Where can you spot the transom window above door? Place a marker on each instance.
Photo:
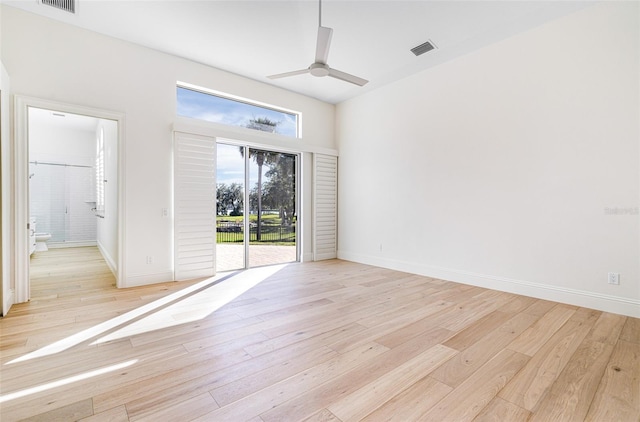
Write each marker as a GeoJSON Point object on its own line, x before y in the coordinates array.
{"type": "Point", "coordinates": [203, 104]}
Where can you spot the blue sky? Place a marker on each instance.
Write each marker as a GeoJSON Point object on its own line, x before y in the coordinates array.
{"type": "Point", "coordinates": [230, 166]}
{"type": "Point", "coordinates": [208, 107]}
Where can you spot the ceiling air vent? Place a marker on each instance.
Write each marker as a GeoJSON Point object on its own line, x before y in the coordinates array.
{"type": "Point", "coordinates": [66, 5]}
{"type": "Point", "coordinates": [423, 48]}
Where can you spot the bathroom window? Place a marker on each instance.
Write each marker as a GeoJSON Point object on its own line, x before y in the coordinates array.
{"type": "Point", "coordinates": [199, 103]}
{"type": "Point", "coordinates": [100, 174]}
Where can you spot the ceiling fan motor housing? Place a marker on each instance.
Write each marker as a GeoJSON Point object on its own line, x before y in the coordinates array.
{"type": "Point", "coordinates": [319, 69]}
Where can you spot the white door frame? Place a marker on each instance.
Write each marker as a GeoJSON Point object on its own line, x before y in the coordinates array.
{"type": "Point", "coordinates": [21, 206]}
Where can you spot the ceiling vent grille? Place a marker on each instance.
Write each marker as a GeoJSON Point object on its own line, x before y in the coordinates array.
{"type": "Point", "coordinates": [66, 5]}
{"type": "Point", "coordinates": [423, 48]}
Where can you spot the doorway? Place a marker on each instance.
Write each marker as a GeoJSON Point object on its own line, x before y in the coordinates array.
{"type": "Point", "coordinates": [72, 165]}
{"type": "Point", "coordinates": [256, 207]}
{"type": "Point", "coordinates": [83, 182]}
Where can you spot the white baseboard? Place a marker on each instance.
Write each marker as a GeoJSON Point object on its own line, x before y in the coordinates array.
{"type": "Point", "coordinates": [307, 257]}
{"type": "Point", "coordinates": [583, 298]}
{"type": "Point", "coordinates": [111, 263]}
{"type": "Point", "coordinates": [8, 302]}
{"type": "Point", "coordinates": [320, 257]}
{"type": "Point", "coordinates": [136, 280]}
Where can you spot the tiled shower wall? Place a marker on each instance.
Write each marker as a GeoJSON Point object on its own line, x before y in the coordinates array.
{"type": "Point", "coordinates": [61, 202]}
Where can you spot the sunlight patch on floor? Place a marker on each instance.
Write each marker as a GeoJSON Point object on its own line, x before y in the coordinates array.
{"type": "Point", "coordinates": [65, 381]}
{"type": "Point", "coordinates": [197, 306]}
{"type": "Point", "coordinates": [89, 333]}
{"type": "Point", "coordinates": [192, 303]}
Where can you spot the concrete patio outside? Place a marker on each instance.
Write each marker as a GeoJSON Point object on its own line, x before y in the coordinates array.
{"type": "Point", "coordinates": [230, 256]}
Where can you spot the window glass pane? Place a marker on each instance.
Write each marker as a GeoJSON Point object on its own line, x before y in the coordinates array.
{"type": "Point", "coordinates": [230, 209]}
{"type": "Point", "coordinates": [212, 108]}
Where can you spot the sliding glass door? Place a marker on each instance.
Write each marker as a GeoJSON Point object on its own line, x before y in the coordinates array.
{"type": "Point", "coordinates": [255, 226]}
{"type": "Point", "coordinates": [272, 208]}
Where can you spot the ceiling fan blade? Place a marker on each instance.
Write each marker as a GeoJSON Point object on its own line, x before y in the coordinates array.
{"type": "Point", "coordinates": [287, 74]}
{"type": "Point", "coordinates": [347, 77]}
{"type": "Point", "coordinates": [323, 44]}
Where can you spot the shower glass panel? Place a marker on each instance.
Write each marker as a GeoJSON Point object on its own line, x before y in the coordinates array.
{"type": "Point", "coordinates": [48, 200]}
{"type": "Point", "coordinates": [81, 222]}
{"type": "Point", "coordinates": [61, 200]}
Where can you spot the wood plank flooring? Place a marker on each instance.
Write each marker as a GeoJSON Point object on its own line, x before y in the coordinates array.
{"type": "Point", "coordinates": [326, 341]}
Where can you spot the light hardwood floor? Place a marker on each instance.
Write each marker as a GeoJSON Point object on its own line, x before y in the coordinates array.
{"type": "Point", "coordinates": [326, 341]}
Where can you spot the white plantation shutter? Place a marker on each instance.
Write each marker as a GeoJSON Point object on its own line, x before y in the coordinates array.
{"type": "Point", "coordinates": [194, 206]}
{"type": "Point", "coordinates": [325, 206]}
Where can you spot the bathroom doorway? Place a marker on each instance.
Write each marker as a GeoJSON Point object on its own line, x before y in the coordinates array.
{"type": "Point", "coordinates": [68, 184]}
{"type": "Point", "coordinates": [72, 184]}
{"type": "Point", "coordinates": [62, 177]}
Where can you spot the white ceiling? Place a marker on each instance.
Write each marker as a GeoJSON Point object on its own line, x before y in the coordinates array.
{"type": "Point", "coordinates": [371, 39]}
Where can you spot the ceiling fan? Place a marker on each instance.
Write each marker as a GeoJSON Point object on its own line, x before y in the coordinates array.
{"type": "Point", "coordinates": [320, 67]}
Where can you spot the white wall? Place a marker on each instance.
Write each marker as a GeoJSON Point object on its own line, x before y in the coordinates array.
{"type": "Point", "coordinates": [505, 168]}
{"type": "Point", "coordinates": [57, 144]}
{"type": "Point", "coordinates": [7, 283]}
{"type": "Point", "coordinates": [107, 227]}
{"type": "Point", "coordinates": [89, 69]}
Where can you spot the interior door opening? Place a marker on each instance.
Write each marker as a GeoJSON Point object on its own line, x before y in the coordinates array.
{"type": "Point", "coordinates": [256, 207]}
{"type": "Point", "coordinates": [72, 190]}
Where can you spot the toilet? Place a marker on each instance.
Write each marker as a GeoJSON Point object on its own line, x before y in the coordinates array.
{"type": "Point", "coordinates": [41, 241]}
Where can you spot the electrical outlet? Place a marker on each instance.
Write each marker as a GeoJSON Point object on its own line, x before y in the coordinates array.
{"type": "Point", "coordinates": [149, 260]}
{"type": "Point", "coordinates": [381, 247]}
{"type": "Point", "coordinates": [613, 278]}
{"type": "Point", "coordinates": [165, 212]}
